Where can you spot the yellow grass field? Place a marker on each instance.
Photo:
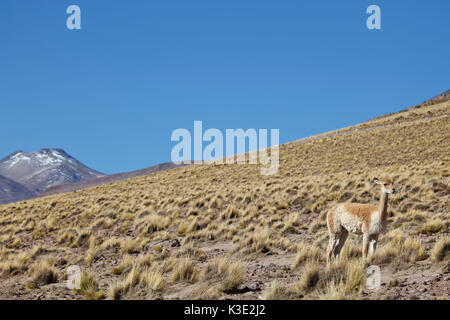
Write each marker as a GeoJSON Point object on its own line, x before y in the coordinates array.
{"type": "Point", "coordinates": [226, 231]}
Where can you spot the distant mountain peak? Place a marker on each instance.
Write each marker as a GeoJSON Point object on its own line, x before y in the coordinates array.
{"type": "Point", "coordinates": [24, 175]}
{"type": "Point", "coordinates": [42, 158]}
{"type": "Point", "coordinates": [48, 167]}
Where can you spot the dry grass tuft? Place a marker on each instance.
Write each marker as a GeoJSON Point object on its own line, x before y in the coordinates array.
{"type": "Point", "coordinates": [441, 249]}
{"type": "Point", "coordinates": [234, 277]}
{"type": "Point", "coordinates": [432, 227]}
{"type": "Point", "coordinates": [225, 274]}
{"type": "Point", "coordinates": [309, 278]}
{"type": "Point", "coordinates": [306, 253]}
{"type": "Point", "coordinates": [343, 280]}
{"type": "Point", "coordinates": [142, 280]}
{"type": "Point", "coordinates": [400, 249]}
{"type": "Point", "coordinates": [276, 291]}
{"type": "Point", "coordinates": [334, 290]}
{"type": "Point", "coordinates": [44, 273]}
{"type": "Point", "coordinates": [185, 270]}
{"type": "Point", "coordinates": [89, 288]}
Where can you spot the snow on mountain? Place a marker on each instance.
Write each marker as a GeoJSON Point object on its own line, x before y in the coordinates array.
{"type": "Point", "coordinates": [43, 169]}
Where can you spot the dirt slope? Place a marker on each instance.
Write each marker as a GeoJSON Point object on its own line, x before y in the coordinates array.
{"type": "Point", "coordinates": [225, 231]}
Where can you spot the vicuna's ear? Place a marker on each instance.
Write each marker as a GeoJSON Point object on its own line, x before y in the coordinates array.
{"type": "Point", "coordinates": [377, 181]}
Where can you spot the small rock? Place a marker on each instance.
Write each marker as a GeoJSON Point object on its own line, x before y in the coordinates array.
{"type": "Point", "coordinates": [271, 267]}
{"type": "Point", "coordinates": [253, 287]}
{"type": "Point", "coordinates": [175, 243]}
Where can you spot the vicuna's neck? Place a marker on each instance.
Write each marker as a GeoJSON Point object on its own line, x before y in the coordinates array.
{"type": "Point", "coordinates": [383, 206]}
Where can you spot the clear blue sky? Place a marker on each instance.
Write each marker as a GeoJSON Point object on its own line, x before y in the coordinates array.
{"type": "Point", "coordinates": [111, 93]}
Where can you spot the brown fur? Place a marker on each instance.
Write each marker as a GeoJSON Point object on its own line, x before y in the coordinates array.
{"type": "Point", "coordinates": [330, 220]}
{"type": "Point", "coordinates": [362, 211]}
{"type": "Point", "coordinates": [358, 218]}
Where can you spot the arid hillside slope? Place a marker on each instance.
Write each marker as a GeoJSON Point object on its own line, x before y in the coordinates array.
{"type": "Point", "coordinates": [226, 231]}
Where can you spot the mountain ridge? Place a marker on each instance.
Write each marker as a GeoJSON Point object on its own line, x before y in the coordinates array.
{"type": "Point", "coordinates": [40, 170]}
{"type": "Point", "coordinates": [11, 191]}
{"type": "Point", "coordinates": [52, 171]}
{"type": "Point", "coordinates": [109, 179]}
{"type": "Point", "coordinates": [59, 172]}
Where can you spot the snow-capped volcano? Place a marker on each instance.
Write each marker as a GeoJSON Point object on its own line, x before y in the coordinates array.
{"type": "Point", "coordinates": [40, 170]}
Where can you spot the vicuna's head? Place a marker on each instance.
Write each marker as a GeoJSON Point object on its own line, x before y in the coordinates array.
{"type": "Point", "coordinates": [387, 186]}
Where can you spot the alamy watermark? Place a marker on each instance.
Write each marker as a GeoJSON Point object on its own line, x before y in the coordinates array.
{"type": "Point", "coordinates": [74, 20]}
{"type": "Point", "coordinates": [213, 153]}
{"type": "Point", "coordinates": [374, 20]}
{"type": "Point", "coordinates": [73, 277]}
{"type": "Point", "coordinates": [373, 278]}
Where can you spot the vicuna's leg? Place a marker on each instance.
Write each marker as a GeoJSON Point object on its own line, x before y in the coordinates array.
{"type": "Point", "coordinates": [373, 240]}
{"type": "Point", "coordinates": [331, 246]}
{"type": "Point", "coordinates": [333, 231]}
{"type": "Point", "coordinates": [365, 245]}
{"type": "Point", "coordinates": [341, 241]}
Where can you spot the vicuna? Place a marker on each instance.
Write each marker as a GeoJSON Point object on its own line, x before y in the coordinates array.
{"type": "Point", "coordinates": [358, 218]}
